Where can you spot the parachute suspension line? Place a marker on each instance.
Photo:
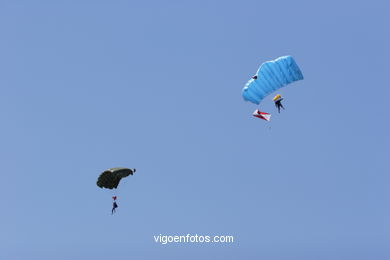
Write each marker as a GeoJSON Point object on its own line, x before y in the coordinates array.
{"type": "Point", "coordinates": [115, 193]}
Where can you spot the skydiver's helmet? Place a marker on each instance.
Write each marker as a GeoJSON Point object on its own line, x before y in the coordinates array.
{"type": "Point", "coordinates": [254, 77]}
{"type": "Point", "coordinates": [114, 198]}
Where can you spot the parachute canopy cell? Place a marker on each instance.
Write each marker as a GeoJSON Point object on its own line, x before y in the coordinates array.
{"type": "Point", "coordinates": [110, 178]}
{"type": "Point", "coordinates": [271, 76]}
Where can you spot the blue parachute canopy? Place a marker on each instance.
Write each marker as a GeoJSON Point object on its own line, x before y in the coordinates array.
{"type": "Point", "coordinates": [271, 76]}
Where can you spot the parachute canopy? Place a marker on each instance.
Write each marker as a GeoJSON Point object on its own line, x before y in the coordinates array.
{"type": "Point", "coordinates": [110, 178]}
{"type": "Point", "coordinates": [271, 76]}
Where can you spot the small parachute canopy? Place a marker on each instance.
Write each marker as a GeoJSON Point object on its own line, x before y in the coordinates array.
{"type": "Point", "coordinates": [271, 76]}
{"type": "Point", "coordinates": [110, 178]}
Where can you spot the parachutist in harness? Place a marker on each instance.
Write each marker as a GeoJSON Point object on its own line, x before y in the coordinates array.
{"type": "Point", "coordinates": [279, 105]}
{"type": "Point", "coordinates": [114, 206]}
{"type": "Point", "coordinates": [271, 76]}
{"type": "Point", "coordinates": [110, 179]}
{"type": "Point", "coordinates": [278, 102]}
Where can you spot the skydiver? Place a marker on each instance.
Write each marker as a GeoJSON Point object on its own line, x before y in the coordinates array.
{"type": "Point", "coordinates": [114, 206]}
{"type": "Point", "coordinates": [278, 104]}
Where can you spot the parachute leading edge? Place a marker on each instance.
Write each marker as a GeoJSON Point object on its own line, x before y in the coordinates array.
{"type": "Point", "coordinates": [271, 76]}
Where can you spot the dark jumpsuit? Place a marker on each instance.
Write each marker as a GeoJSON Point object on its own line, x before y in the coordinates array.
{"type": "Point", "coordinates": [114, 206]}
{"type": "Point", "coordinates": [278, 104]}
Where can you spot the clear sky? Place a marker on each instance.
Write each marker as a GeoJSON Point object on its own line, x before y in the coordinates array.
{"type": "Point", "coordinates": [156, 85]}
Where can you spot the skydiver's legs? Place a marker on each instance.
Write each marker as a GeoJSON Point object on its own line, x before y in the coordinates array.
{"type": "Point", "coordinates": [114, 206]}
{"type": "Point", "coordinates": [279, 105]}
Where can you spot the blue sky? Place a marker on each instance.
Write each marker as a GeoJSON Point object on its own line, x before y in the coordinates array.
{"type": "Point", "coordinates": [156, 85]}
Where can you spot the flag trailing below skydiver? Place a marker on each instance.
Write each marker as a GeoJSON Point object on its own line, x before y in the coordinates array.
{"type": "Point", "coordinates": [271, 76]}
{"type": "Point", "coordinates": [262, 115]}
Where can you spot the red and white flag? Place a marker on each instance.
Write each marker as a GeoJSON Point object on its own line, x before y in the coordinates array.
{"type": "Point", "coordinates": [262, 115]}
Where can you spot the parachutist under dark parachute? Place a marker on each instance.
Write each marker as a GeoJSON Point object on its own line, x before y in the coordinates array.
{"type": "Point", "coordinates": [110, 179]}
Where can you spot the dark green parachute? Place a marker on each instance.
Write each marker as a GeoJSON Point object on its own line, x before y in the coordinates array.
{"type": "Point", "coordinates": [110, 178]}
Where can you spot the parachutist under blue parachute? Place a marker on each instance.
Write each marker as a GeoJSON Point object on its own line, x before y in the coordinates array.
{"type": "Point", "coordinates": [271, 76]}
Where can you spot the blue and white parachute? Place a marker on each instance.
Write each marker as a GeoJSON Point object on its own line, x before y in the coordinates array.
{"type": "Point", "coordinates": [271, 76]}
